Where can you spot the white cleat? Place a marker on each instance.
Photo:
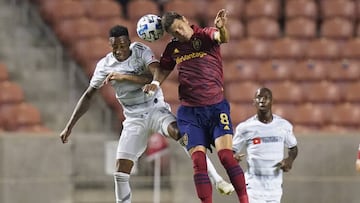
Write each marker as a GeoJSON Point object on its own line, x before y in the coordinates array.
{"type": "Point", "coordinates": [224, 187]}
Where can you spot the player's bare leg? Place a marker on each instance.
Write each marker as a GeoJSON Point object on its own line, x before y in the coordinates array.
{"type": "Point", "coordinates": [121, 178]}
{"type": "Point", "coordinates": [221, 185]}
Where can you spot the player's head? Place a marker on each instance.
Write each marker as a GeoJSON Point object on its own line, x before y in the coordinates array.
{"type": "Point", "coordinates": [263, 99]}
{"type": "Point", "coordinates": [120, 42]}
{"type": "Point", "coordinates": [177, 26]}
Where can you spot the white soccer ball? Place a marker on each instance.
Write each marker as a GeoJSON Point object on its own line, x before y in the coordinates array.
{"type": "Point", "coordinates": [149, 28]}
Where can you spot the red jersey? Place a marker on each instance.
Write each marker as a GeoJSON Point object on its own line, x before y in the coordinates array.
{"type": "Point", "coordinates": [199, 64]}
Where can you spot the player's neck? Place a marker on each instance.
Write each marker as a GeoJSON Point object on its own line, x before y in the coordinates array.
{"type": "Point", "coordinates": [265, 117]}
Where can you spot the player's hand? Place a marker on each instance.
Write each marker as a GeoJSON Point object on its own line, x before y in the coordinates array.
{"type": "Point", "coordinates": [239, 157]}
{"type": "Point", "coordinates": [220, 19]}
{"type": "Point", "coordinates": [64, 135]}
{"type": "Point", "coordinates": [285, 165]}
{"type": "Point", "coordinates": [114, 76]}
{"type": "Point", "coordinates": [150, 89]}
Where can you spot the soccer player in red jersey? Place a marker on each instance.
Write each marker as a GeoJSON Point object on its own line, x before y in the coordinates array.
{"type": "Point", "coordinates": [204, 115]}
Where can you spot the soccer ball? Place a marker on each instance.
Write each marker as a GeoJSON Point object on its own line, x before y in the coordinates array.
{"type": "Point", "coordinates": [149, 28]}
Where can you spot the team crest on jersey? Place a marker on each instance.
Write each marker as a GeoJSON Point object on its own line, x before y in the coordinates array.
{"type": "Point", "coordinates": [256, 140]}
{"type": "Point", "coordinates": [184, 140]}
{"type": "Point", "coordinates": [196, 43]}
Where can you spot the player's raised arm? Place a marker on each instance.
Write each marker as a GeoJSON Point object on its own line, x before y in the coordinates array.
{"type": "Point", "coordinates": [220, 22]}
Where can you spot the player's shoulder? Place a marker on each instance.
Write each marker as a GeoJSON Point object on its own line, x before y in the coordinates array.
{"type": "Point", "coordinates": [245, 128]}
{"type": "Point", "coordinates": [248, 122]}
{"type": "Point", "coordinates": [140, 50]}
{"type": "Point", "coordinates": [282, 121]}
{"type": "Point", "coordinates": [139, 46]}
{"type": "Point", "coordinates": [172, 46]}
{"type": "Point", "coordinates": [198, 29]}
{"type": "Point", "coordinates": [205, 32]}
{"type": "Point", "coordinates": [172, 42]}
{"type": "Point", "coordinates": [210, 29]}
{"type": "Point", "coordinates": [173, 39]}
{"type": "Point", "coordinates": [106, 60]}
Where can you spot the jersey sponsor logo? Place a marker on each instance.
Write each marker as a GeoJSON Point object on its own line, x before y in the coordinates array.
{"type": "Point", "coordinates": [190, 56]}
{"type": "Point", "coordinates": [256, 140]}
{"type": "Point", "coordinates": [270, 139]}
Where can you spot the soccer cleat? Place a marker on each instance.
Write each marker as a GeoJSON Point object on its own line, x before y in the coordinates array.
{"type": "Point", "coordinates": [224, 187]}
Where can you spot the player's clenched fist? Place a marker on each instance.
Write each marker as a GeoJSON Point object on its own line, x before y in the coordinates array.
{"type": "Point", "coordinates": [64, 135]}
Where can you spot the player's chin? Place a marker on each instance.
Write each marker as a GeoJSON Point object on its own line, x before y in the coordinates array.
{"type": "Point", "coordinates": [263, 108]}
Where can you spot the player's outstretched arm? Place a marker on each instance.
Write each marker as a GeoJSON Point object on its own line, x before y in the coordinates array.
{"type": "Point", "coordinates": [81, 108]}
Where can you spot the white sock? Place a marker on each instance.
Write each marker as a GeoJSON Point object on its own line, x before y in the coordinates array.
{"type": "Point", "coordinates": [122, 187]}
{"type": "Point", "coordinates": [213, 174]}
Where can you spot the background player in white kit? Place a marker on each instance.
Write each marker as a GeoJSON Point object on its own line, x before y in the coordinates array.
{"type": "Point", "coordinates": [128, 68]}
{"type": "Point", "coordinates": [264, 136]}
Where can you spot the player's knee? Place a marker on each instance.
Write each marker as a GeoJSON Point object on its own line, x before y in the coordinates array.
{"type": "Point", "coordinates": [199, 162]}
{"type": "Point", "coordinates": [174, 131]}
{"type": "Point", "coordinates": [227, 158]}
{"type": "Point", "coordinates": [124, 165]}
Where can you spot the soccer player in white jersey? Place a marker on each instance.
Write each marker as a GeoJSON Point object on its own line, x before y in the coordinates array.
{"type": "Point", "coordinates": [264, 137]}
{"type": "Point", "coordinates": [128, 68]}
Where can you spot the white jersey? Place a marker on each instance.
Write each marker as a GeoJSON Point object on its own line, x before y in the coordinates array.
{"type": "Point", "coordinates": [130, 95]}
{"type": "Point", "coordinates": [265, 148]}
{"type": "Point", "coordinates": [264, 143]}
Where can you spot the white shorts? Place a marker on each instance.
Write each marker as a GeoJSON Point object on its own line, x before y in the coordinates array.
{"type": "Point", "coordinates": [263, 189]}
{"type": "Point", "coordinates": [137, 129]}
{"type": "Point", "coordinates": [254, 199]}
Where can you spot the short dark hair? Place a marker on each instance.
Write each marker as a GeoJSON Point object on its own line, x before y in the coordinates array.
{"type": "Point", "coordinates": [264, 89]}
{"type": "Point", "coordinates": [118, 30]}
{"type": "Point", "coordinates": [168, 19]}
